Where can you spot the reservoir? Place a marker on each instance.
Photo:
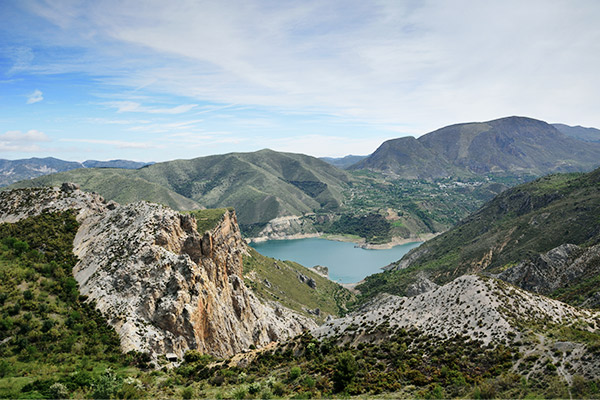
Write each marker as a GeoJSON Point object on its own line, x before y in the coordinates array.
{"type": "Point", "coordinates": [346, 263]}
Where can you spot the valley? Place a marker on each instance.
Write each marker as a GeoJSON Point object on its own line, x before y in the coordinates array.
{"type": "Point", "coordinates": [152, 291]}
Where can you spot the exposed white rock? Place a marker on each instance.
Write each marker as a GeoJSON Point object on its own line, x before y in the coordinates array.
{"type": "Point", "coordinates": [481, 308]}
{"type": "Point", "coordinates": [163, 286]}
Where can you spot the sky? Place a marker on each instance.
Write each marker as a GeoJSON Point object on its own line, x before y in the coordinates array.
{"type": "Point", "coordinates": [157, 80]}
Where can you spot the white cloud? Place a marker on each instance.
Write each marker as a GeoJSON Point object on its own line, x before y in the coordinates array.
{"type": "Point", "coordinates": [35, 97]}
{"type": "Point", "coordinates": [21, 57]}
{"type": "Point", "coordinates": [424, 64]}
{"type": "Point", "coordinates": [19, 136]}
{"type": "Point", "coordinates": [132, 106]}
{"type": "Point", "coordinates": [18, 141]}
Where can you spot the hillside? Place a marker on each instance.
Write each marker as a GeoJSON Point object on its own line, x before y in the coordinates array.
{"type": "Point", "coordinates": [120, 185]}
{"type": "Point", "coordinates": [506, 146]}
{"type": "Point", "coordinates": [83, 278]}
{"type": "Point", "coordinates": [579, 132]}
{"type": "Point", "coordinates": [516, 226]}
{"type": "Point", "coordinates": [475, 337]}
{"type": "Point", "coordinates": [261, 186]}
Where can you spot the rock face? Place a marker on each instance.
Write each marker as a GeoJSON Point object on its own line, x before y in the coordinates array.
{"type": "Point", "coordinates": [421, 285]}
{"type": "Point", "coordinates": [287, 227]}
{"type": "Point", "coordinates": [561, 267]}
{"type": "Point", "coordinates": [164, 287]}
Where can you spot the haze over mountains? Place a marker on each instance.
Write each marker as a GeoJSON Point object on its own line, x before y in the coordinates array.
{"type": "Point", "coordinates": [15, 170]}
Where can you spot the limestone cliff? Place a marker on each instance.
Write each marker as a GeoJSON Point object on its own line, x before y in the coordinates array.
{"type": "Point", "coordinates": [164, 286]}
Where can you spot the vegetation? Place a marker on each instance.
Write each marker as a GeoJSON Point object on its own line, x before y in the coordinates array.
{"type": "Point", "coordinates": [53, 343]}
{"type": "Point", "coordinates": [121, 185]}
{"type": "Point", "coordinates": [409, 364]}
{"type": "Point", "coordinates": [518, 224]}
{"type": "Point", "coordinates": [208, 219]}
{"type": "Point", "coordinates": [287, 282]}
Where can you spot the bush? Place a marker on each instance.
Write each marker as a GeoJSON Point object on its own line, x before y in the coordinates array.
{"type": "Point", "coordinates": [345, 370]}
{"type": "Point", "coordinates": [58, 391]}
{"type": "Point", "coordinates": [254, 388]}
{"type": "Point", "coordinates": [106, 385]}
{"type": "Point", "coordinates": [279, 389]}
{"type": "Point", "coordinates": [187, 392]}
{"type": "Point", "coordinates": [240, 393]}
{"type": "Point", "coordinates": [294, 373]}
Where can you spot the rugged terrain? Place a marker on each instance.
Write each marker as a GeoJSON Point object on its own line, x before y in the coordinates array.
{"type": "Point", "coordinates": [261, 186]}
{"type": "Point", "coordinates": [410, 187]}
{"type": "Point", "coordinates": [506, 146]}
{"type": "Point", "coordinates": [164, 286]}
{"type": "Point", "coordinates": [486, 310]}
{"type": "Point", "coordinates": [516, 234]}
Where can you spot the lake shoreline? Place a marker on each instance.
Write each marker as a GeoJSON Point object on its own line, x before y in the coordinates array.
{"type": "Point", "coordinates": [360, 242]}
{"type": "Point", "coordinates": [346, 262]}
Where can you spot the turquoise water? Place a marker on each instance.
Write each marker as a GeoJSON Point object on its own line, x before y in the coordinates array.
{"type": "Point", "coordinates": [346, 263]}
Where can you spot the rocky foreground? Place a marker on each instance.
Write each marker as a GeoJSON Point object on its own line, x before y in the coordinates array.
{"type": "Point", "coordinates": [164, 286]}
{"type": "Point", "coordinates": [486, 310]}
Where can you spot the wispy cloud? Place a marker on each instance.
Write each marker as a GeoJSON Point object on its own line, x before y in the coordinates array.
{"type": "Point", "coordinates": [35, 97]}
{"type": "Point", "coordinates": [29, 136]}
{"type": "Point", "coordinates": [279, 69]}
{"type": "Point", "coordinates": [426, 62]}
{"type": "Point", "coordinates": [120, 144]}
{"type": "Point", "coordinates": [166, 126]}
{"type": "Point", "coordinates": [18, 141]}
{"type": "Point", "coordinates": [132, 106]}
{"type": "Point", "coordinates": [21, 57]}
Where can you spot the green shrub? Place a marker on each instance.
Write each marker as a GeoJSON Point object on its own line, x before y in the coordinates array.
{"type": "Point", "coordinates": [240, 393]}
{"type": "Point", "coordinates": [345, 370]}
{"type": "Point", "coordinates": [187, 393]}
{"type": "Point", "coordinates": [294, 373]}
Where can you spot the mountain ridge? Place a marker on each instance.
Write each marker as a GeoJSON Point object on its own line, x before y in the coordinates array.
{"type": "Point", "coordinates": [15, 170]}
{"type": "Point", "coordinates": [510, 145]}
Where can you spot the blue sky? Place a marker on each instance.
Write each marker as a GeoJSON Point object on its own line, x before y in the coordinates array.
{"type": "Point", "coordinates": [158, 80]}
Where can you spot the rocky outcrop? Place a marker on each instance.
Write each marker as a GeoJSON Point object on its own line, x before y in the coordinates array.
{"type": "Point", "coordinates": [562, 267]}
{"type": "Point", "coordinates": [421, 285]}
{"type": "Point", "coordinates": [287, 227]}
{"type": "Point", "coordinates": [482, 309]}
{"type": "Point", "coordinates": [162, 285]}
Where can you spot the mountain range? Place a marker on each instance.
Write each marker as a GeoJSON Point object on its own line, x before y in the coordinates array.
{"type": "Point", "coordinates": [261, 186]}
{"type": "Point", "coordinates": [16, 170]}
{"type": "Point", "coordinates": [343, 162]}
{"type": "Point", "coordinates": [506, 146]}
{"type": "Point", "coordinates": [579, 132]}
{"type": "Point", "coordinates": [282, 194]}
